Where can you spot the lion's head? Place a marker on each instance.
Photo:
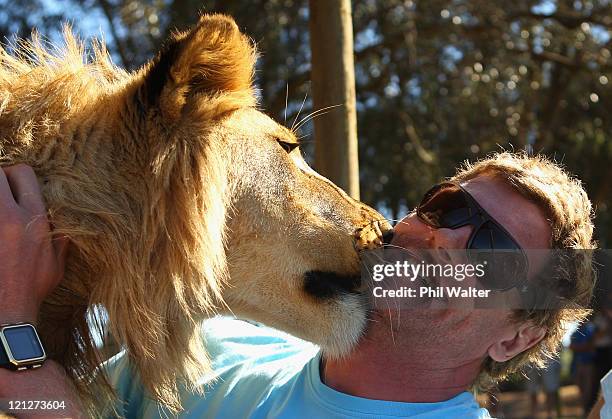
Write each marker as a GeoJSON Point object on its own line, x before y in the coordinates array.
{"type": "Point", "coordinates": [181, 200]}
{"type": "Point", "coordinates": [290, 248]}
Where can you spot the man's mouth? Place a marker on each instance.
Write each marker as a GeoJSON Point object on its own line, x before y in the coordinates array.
{"type": "Point", "coordinates": [325, 285]}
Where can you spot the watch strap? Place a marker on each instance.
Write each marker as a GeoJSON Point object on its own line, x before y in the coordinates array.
{"type": "Point", "coordinates": [4, 361]}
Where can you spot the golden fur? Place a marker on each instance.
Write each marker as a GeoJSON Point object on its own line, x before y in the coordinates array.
{"type": "Point", "coordinates": [180, 202]}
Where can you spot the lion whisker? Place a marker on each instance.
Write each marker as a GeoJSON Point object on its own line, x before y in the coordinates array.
{"type": "Point", "coordinates": [310, 119]}
{"type": "Point", "coordinates": [286, 102]}
{"type": "Point", "coordinates": [314, 114]}
{"type": "Point", "coordinates": [306, 120]}
{"type": "Point", "coordinates": [299, 110]}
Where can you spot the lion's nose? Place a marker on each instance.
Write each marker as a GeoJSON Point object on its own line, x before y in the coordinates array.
{"type": "Point", "coordinates": [387, 236]}
{"type": "Point", "coordinates": [371, 235]}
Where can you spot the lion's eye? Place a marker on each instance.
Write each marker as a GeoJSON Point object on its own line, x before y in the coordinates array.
{"type": "Point", "coordinates": [287, 146]}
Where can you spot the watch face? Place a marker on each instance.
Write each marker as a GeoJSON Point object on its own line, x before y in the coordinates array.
{"type": "Point", "coordinates": [23, 343]}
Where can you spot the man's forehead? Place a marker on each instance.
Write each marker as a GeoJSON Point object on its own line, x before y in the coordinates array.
{"type": "Point", "coordinates": [523, 219]}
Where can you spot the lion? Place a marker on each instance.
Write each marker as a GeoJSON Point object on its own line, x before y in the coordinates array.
{"type": "Point", "coordinates": [181, 200]}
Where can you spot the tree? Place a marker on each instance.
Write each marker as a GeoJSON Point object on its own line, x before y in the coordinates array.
{"type": "Point", "coordinates": [333, 86]}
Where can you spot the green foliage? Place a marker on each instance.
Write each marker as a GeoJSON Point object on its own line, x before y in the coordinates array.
{"type": "Point", "coordinates": [438, 81]}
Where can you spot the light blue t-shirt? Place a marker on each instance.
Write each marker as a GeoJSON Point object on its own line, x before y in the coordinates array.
{"type": "Point", "coordinates": [263, 373]}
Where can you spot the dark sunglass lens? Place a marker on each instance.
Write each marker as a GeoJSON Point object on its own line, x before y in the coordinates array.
{"type": "Point", "coordinates": [508, 270]}
{"type": "Point", "coordinates": [505, 261]}
{"type": "Point", "coordinates": [489, 236]}
{"type": "Point", "coordinates": [482, 239]}
{"type": "Point", "coordinates": [455, 217]}
{"type": "Point", "coordinates": [444, 207]}
{"type": "Point", "coordinates": [501, 240]}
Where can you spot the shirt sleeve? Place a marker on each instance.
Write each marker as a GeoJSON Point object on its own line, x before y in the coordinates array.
{"type": "Point", "coordinates": [606, 390]}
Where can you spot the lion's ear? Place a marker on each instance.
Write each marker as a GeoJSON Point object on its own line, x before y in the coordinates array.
{"type": "Point", "coordinates": [213, 58]}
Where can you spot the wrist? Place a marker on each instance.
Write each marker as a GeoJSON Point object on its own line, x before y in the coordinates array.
{"type": "Point", "coordinates": [8, 316]}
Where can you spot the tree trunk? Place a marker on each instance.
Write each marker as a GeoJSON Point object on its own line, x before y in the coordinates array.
{"type": "Point", "coordinates": [333, 83]}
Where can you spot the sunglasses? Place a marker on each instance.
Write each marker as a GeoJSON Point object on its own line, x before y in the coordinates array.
{"type": "Point", "coordinates": [449, 205]}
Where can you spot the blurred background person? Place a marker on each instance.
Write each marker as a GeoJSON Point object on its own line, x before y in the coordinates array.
{"type": "Point", "coordinates": [602, 319]}
{"type": "Point", "coordinates": [583, 363]}
{"type": "Point", "coordinates": [547, 380]}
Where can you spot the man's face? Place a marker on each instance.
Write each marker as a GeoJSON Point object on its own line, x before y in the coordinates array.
{"type": "Point", "coordinates": [458, 333]}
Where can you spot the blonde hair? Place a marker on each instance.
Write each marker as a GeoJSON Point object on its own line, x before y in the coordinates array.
{"type": "Point", "coordinates": [568, 210]}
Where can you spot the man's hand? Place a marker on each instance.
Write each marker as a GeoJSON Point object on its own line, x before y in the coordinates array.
{"type": "Point", "coordinates": [31, 266]}
{"type": "Point", "coordinates": [31, 262]}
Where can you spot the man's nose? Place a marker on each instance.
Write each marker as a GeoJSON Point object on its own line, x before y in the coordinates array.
{"type": "Point", "coordinates": [413, 232]}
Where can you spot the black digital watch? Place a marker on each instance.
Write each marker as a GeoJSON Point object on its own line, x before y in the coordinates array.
{"type": "Point", "coordinates": [20, 347]}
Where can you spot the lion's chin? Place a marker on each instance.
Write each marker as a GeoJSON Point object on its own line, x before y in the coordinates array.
{"type": "Point", "coordinates": [348, 316]}
{"type": "Point", "coordinates": [345, 306]}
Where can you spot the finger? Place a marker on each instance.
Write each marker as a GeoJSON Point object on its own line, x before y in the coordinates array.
{"type": "Point", "coordinates": [7, 199]}
{"type": "Point", "coordinates": [26, 190]}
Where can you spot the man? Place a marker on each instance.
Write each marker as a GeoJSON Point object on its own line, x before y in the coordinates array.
{"type": "Point", "coordinates": [548, 380]}
{"type": "Point", "coordinates": [417, 363]}
{"type": "Point", "coordinates": [583, 351]}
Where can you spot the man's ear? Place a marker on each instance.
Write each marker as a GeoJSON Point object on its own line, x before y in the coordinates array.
{"type": "Point", "coordinates": [210, 59]}
{"type": "Point", "coordinates": [511, 345]}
